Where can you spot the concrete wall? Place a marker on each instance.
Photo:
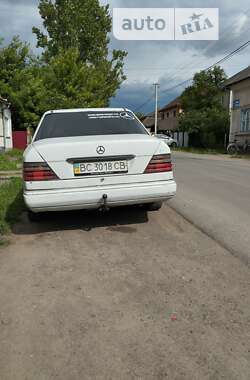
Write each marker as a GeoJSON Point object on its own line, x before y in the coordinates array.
{"type": "Point", "coordinates": [8, 129]}
{"type": "Point", "coordinates": [1, 129]}
{"type": "Point", "coordinates": [240, 93]}
{"type": "Point", "coordinates": [5, 128]}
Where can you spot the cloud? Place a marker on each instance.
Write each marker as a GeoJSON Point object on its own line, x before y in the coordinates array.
{"type": "Point", "coordinates": [17, 18]}
{"type": "Point", "coordinates": [169, 62]}
{"type": "Point", "coordinates": [133, 95]}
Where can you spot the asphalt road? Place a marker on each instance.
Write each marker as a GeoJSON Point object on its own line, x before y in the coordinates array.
{"type": "Point", "coordinates": [214, 194]}
{"type": "Point", "coordinates": [124, 295]}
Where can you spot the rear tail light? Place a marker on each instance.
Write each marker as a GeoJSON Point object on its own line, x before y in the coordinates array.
{"type": "Point", "coordinates": [159, 163]}
{"type": "Point", "coordinates": [38, 171]}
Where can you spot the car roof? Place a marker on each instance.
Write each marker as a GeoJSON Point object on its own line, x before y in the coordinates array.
{"type": "Point", "coordinates": [88, 110]}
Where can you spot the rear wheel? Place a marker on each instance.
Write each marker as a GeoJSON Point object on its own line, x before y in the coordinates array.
{"type": "Point", "coordinates": [232, 149]}
{"type": "Point", "coordinates": [155, 206]}
{"type": "Point", "coordinates": [34, 217]}
{"type": "Point", "coordinates": [174, 145]}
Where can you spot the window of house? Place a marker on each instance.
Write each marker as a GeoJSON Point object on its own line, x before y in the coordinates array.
{"type": "Point", "coordinates": [167, 114]}
{"type": "Point", "coordinates": [245, 120]}
{"type": "Point", "coordinates": [174, 113]}
{"type": "Point", "coordinates": [162, 116]}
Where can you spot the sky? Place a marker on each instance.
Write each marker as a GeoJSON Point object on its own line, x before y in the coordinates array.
{"type": "Point", "coordinates": [166, 62]}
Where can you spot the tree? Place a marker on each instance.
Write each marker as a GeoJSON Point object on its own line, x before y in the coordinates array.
{"type": "Point", "coordinates": [21, 83]}
{"type": "Point", "coordinates": [75, 70]}
{"type": "Point", "coordinates": [81, 24]}
{"type": "Point", "coordinates": [14, 57]}
{"type": "Point", "coordinates": [71, 83]}
{"type": "Point", "coordinates": [80, 71]}
{"type": "Point", "coordinates": [204, 115]}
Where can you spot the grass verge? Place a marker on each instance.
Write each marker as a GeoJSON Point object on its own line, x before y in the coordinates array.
{"type": "Point", "coordinates": [211, 151]}
{"type": "Point", "coordinates": [245, 156]}
{"type": "Point", "coordinates": [11, 205]}
{"type": "Point", "coordinates": [11, 159]}
{"type": "Point", "coordinates": [201, 150]}
{"type": "Point", "coordinates": [3, 242]}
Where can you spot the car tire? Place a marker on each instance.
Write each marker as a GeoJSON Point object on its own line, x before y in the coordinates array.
{"type": "Point", "coordinates": [174, 145]}
{"type": "Point", "coordinates": [155, 206]}
{"type": "Point", "coordinates": [33, 216]}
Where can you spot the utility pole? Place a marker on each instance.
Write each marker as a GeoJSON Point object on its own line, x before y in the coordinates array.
{"type": "Point", "coordinates": [156, 106]}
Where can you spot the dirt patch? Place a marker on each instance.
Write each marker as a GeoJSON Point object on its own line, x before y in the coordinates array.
{"type": "Point", "coordinates": [161, 302]}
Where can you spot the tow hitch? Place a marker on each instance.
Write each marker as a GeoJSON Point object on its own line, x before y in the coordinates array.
{"type": "Point", "coordinates": [104, 207]}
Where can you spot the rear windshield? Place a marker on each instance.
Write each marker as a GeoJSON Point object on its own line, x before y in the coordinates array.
{"type": "Point", "coordinates": [69, 124]}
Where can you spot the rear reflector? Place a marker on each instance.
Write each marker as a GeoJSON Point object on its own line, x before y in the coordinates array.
{"type": "Point", "coordinates": [38, 171]}
{"type": "Point", "coordinates": [159, 163]}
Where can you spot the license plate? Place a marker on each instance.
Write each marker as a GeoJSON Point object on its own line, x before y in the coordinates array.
{"type": "Point", "coordinates": [101, 167]}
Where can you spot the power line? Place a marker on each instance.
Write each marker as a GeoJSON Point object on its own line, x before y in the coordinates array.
{"type": "Point", "coordinates": [230, 55]}
{"type": "Point", "coordinates": [144, 104]}
{"type": "Point", "coordinates": [206, 50]}
{"type": "Point", "coordinates": [224, 59]}
{"type": "Point", "coordinates": [183, 67]}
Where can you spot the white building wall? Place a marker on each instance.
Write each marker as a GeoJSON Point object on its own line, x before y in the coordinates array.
{"type": "Point", "coordinates": [8, 129]}
{"type": "Point", "coordinates": [240, 92]}
{"type": "Point", "coordinates": [1, 130]}
{"type": "Point", "coordinates": [6, 140]}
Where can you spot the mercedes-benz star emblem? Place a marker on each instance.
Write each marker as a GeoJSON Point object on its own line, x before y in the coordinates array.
{"type": "Point", "coordinates": [100, 149]}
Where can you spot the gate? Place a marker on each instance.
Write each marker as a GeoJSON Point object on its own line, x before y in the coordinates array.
{"type": "Point", "coordinates": [19, 139]}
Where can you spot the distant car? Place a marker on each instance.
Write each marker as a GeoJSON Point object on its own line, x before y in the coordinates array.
{"type": "Point", "coordinates": [95, 158]}
{"type": "Point", "coordinates": [168, 140]}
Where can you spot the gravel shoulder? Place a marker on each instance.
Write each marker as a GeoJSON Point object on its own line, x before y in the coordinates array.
{"type": "Point", "coordinates": [123, 295]}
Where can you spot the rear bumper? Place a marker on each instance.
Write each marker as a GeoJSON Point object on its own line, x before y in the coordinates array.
{"type": "Point", "coordinates": [91, 198]}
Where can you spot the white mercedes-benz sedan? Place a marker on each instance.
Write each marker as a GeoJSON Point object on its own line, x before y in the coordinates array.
{"type": "Point", "coordinates": [95, 158]}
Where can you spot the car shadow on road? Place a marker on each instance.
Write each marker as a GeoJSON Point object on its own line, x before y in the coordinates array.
{"type": "Point", "coordinates": [117, 219]}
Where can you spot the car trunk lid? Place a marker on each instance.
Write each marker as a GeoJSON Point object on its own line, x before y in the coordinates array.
{"type": "Point", "coordinates": [62, 153]}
